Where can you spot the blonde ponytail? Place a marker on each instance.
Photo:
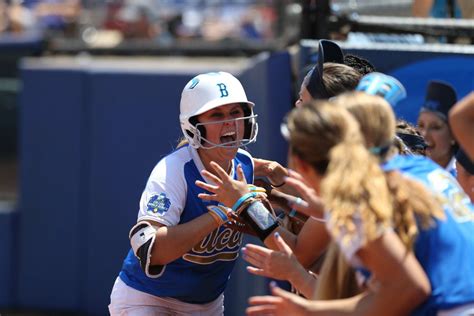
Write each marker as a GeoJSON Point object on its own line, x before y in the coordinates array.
{"type": "Point", "coordinates": [354, 185]}
{"type": "Point", "coordinates": [337, 278]}
{"type": "Point", "coordinates": [411, 201]}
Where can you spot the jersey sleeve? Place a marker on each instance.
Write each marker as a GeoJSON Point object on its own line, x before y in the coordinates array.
{"type": "Point", "coordinates": [351, 242]}
{"type": "Point", "coordinates": [164, 196]}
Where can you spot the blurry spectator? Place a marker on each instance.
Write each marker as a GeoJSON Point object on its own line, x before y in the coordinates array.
{"type": "Point", "coordinates": [47, 15]}
{"type": "Point", "coordinates": [467, 8]}
{"type": "Point", "coordinates": [217, 21]}
{"type": "Point", "coordinates": [3, 16]}
{"type": "Point", "coordinates": [131, 21]}
{"type": "Point", "coordinates": [19, 18]}
{"type": "Point", "coordinates": [436, 8]}
{"type": "Point", "coordinates": [59, 15]}
{"type": "Point", "coordinates": [248, 28]}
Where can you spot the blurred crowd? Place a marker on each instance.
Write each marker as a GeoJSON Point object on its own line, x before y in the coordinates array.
{"type": "Point", "coordinates": [146, 19]}
{"type": "Point", "coordinates": [111, 21]}
{"type": "Point", "coordinates": [19, 16]}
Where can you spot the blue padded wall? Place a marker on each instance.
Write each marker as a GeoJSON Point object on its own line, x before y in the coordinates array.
{"type": "Point", "coordinates": [133, 124]}
{"type": "Point", "coordinates": [51, 231]}
{"type": "Point", "coordinates": [268, 83]}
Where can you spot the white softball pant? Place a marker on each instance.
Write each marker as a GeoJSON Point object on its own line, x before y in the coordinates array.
{"type": "Point", "coordinates": [126, 301]}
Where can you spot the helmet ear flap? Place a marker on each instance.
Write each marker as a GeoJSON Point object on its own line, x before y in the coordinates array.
{"type": "Point", "coordinates": [202, 130]}
{"type": "Point", "coordinates": [248, 123]}
{"type": "Point", "coordinates": [190, 132]}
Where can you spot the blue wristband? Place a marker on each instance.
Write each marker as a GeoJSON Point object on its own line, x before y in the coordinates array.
{"type": "Point", "coordinates": [219, 212]}
{"type": "Point", "coordinates": [242, 199]}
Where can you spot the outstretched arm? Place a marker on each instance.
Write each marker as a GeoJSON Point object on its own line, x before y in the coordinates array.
{"type": "Point", "coordinates": [461, 120]}
{"type": "Point", "coordinates": [174, 241]}
{"type": "Point", "coordinates": [279, 264]}
{"type": "Point", "coordinates": [402, 285]}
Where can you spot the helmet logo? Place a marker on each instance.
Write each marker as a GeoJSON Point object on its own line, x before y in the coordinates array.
{"type": "Point", "coordinates": [194, 83]}
{"type": "Point", "coordinates": [223, 90]}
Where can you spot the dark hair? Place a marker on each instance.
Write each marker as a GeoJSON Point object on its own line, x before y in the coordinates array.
{"type": "Point", "coordinates": [339, 78]}
{"type": "Point", "coordinates": [363, 66]}
{"type": "Point", "coordinates": [410, 137]}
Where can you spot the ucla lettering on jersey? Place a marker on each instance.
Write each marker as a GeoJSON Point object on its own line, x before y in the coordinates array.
{"type": "Point", "coordinates": [201, 274]}
{"type": "Point", "coordinates": [451, 194]}
{"type": "Point", "coordinates": [211, 248]}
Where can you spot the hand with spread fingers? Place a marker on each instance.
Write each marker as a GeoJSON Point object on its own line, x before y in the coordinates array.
{"type": "Point", "coordinates": [225, 189]}
{"type": "Point", "coordinates": [280, 264]}
{"type": "Point", "coordinates": [282, 303]}
{"type": "Point", "coordinates": [309, 203]}
{"type": "Point", "coordinates": [270, 263]}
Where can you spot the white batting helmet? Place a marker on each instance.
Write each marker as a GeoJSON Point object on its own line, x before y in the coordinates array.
{"type": "Point", "coordinates": [208, 91]}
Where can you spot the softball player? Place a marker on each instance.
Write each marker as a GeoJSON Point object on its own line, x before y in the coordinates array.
{"type": "Point", "coordinates": [181, 255]}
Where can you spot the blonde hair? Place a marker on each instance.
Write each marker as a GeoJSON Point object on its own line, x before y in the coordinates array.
{"type": "Point", "coordinates": [329, 139]}
{"type": "Point", "coordinates": [182, 142]}
{"type": "Point", "coordinates": [337, 278]}
{"type": "Point", "coordinates": [378, 125]}
{"type": "Point", "coordinates": [374, 114]}
{"type": "Point", "coordinates": [328, 136]}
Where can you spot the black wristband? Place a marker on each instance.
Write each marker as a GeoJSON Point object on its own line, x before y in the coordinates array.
{"type": "Point", "coordinates": [260, 219]}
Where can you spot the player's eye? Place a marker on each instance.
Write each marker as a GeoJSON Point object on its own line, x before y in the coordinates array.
{"type": "Point", "coordinates": [236, 113]}
{"type": "Point", "coordinates": [217, 115]}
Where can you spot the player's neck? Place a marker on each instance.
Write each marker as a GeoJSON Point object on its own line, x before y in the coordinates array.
{"type": "Point", "coordinates": [207, 157]}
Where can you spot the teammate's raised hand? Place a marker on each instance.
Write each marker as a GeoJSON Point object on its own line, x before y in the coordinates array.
{"type": "Point", "coordinates": [225, 189]}
{"type": "Point", "coordinates": [278, 265]}
{"type": "Point", "coordinates": [274, 172]}
{"type": "Point", "coordinates": [309, 203]}
{"type": "Point", "coordinates": [281, 303]}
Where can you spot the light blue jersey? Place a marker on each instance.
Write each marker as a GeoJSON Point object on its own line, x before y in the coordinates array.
{"type": "Point", "coordinates": [170, 198]}
{"type": "Point", "coordinates": [446, 250]}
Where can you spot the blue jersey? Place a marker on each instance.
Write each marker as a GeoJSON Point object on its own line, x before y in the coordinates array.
{"type": "Point", "coordinates": [170, 198]}
{"type": "Point", "coordinates": [446, 250]}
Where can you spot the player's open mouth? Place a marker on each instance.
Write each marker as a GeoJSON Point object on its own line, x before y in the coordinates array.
{"type": "Point", "coordinates": [228, 137]}
{"type": "Point", "coordinates": [429, 147]}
